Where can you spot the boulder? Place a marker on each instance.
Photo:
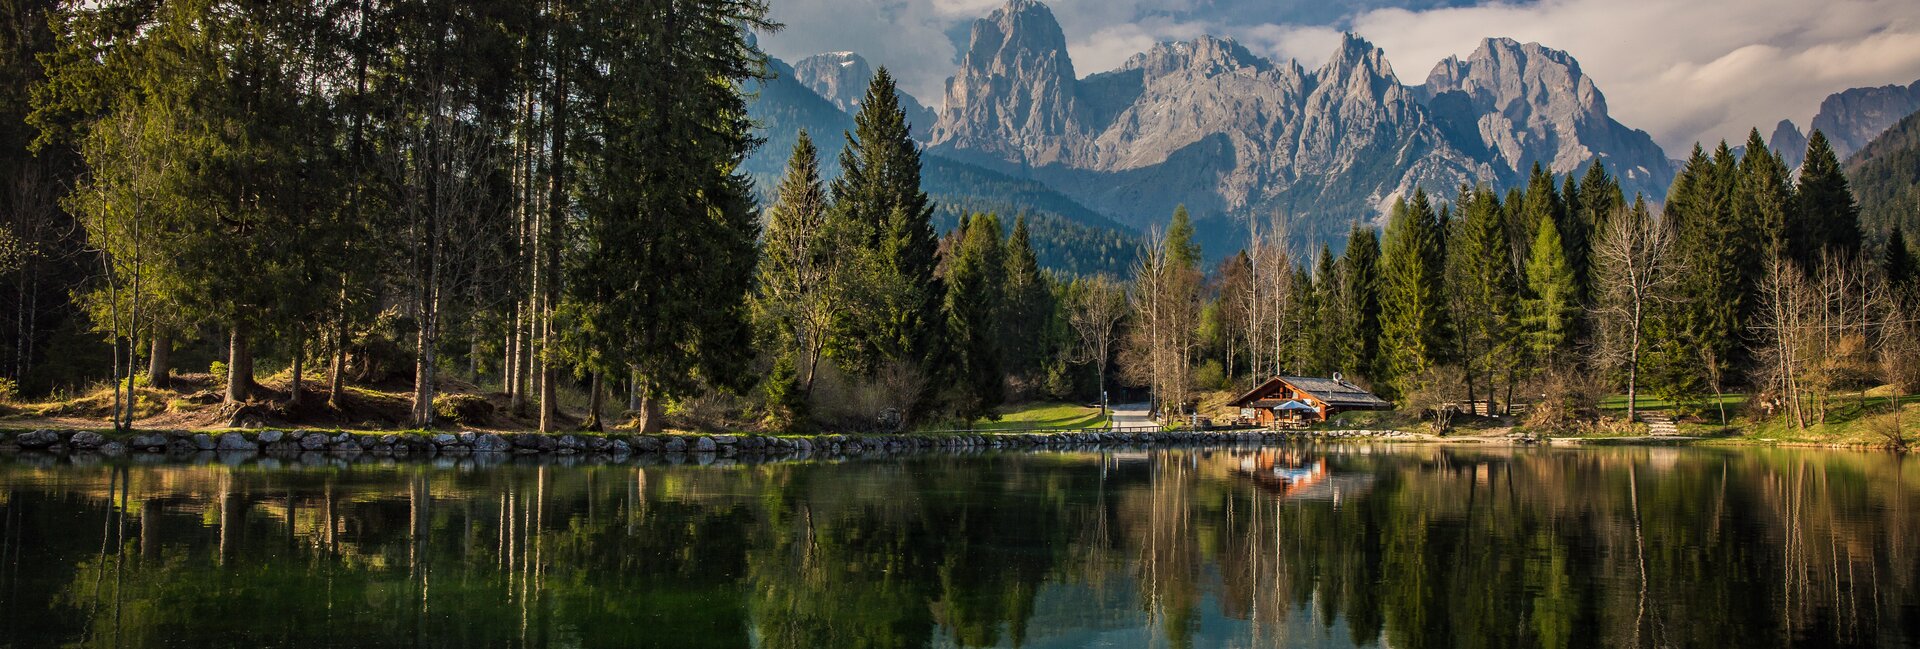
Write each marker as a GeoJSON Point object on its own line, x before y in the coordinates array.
{"type": "Point", "coordinates": [235, 442]}
{"type": "Point", "coordinates": [444, 440]}
{"type": "Point", "coordinates": [37, 439]}
{"type": "Point", "coordinates": [704, 444]}
{"type": "Point", "coordinates": [675, 444]}
{"type": "Point", "coordinates": [490, 443]}
{"type": "Point", "coordinates": [203, 441]}
{"type": "Point", "coordinates": [314, 442]}
{"type": "Point", "coordinates": [271, 436]}
{"type": "Point", "coordinates": [148, 441]}
{"type": "Point", "coordinates": [86, 440]}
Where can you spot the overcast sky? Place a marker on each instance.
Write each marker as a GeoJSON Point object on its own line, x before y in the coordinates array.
{"type": "Point", "coordinates": [1683, 70]}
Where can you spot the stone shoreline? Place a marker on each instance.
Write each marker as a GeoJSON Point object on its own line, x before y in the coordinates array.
{"type": "Point", "coordinates": [241, 445]}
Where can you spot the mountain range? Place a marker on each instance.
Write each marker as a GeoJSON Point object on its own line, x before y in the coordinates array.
{"type": "Point", "coordinates": [1234, 136]}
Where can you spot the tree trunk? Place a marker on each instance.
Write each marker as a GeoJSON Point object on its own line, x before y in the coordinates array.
{"type": "Point", "coordinates": [239, 366]}
{"type": "Point", "coordinates": [160, 362]}
{"type": "Point", "coordinates": [334, 378]}
{"type": "Point", "coordinates": [633, 389]}
{"type": "Point", "coordinates": [594, 404]}
{"type": "Point", "coordinates": [298, 384]}
{"type": "Point", "coordinates": [650, 415]}
{"type": "Point", "coordinates": [551, 243]}
{"type": "Point", "coordinates": [423, 373]}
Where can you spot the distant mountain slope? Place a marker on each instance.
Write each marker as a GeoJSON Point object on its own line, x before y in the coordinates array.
{"type": "Point", "coordinates": [1886, 179]}
{"type": "Point", "coordinates": [1067, 236]}
{"type": "Point", "coordinates": [842, 78]}
{"type": "Point", "coordinates": [1850, 119]}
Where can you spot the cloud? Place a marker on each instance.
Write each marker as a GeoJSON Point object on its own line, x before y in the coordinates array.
{"type": "Point", "coordinates": [1683, 70]}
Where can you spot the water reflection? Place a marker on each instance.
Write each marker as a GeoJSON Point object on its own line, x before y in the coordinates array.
{"type": "Point", "coordinates": [1309, 547]}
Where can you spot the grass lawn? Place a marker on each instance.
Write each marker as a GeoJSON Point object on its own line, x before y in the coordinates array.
{"type": "Point", "coordinates": [1045, 415]}
{"type": "Point", "coordinates": [1731, 400]}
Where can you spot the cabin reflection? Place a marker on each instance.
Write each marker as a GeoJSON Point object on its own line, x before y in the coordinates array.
{"type": "Point", "coordinates": [1296, 474]}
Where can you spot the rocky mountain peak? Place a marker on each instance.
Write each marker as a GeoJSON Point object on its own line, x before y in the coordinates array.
{"type": "Point", "coordinates": [840, 77]}
{"type": "Point", "coordinates": [1206, 56]}
{"type": "Point", "coordinates": [1525, 103]}
{"type": "Point", "coordinates": [1852, 118]}
{"type": "Point", "coordinates": [1013, 97]}
{"type": "Point", "coordinates": [1789, 143]}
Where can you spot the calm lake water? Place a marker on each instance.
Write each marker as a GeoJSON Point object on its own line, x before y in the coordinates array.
{"type": "Point", "coordinates": [1285, 547]}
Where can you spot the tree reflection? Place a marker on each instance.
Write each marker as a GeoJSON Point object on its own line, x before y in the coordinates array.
{"type": "Point", "coordinates": [1420, 547]}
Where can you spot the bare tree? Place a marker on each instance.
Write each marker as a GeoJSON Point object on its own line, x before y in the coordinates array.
{"type": "Point", "coordinates": [1166, 308]}
{"type": "Point", "coordinates": [1097, 306]}
{"type": "Point", "coordinates": [1634, 272]}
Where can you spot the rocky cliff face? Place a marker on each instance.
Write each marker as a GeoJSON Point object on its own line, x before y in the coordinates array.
{"type": "Point", "coordinates": [1852, 118]}
{"type": "Point", "coordinates": [1526, 103]}
{"type": "Point", "coordinates": [1789, 143]}
{"type": "Point", "coordinates": [842, 78]}
{"type": "Point", "coordinates": [1204, 123]}
{"type": "Point", "coordinates": [1013, 100]}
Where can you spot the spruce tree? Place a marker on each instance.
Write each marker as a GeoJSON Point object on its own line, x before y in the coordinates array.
{"type": "Point", "coordinates": [1411, 304]}
{"type": "Point", "coordinates": [1361, 270]}
{"type": "Point", "coordinates": [660, 276]}
{"type": "Point", "coordinates": [1025, 323]}
{"type": "Point", "coordinates": [794, 303]}
{"type": "Point", "coordinates": [976, 286]}
{"type": "Point", "coordinates": [1551, 305]}
{"type": "Point", "coordinates": [1828, 221]}
{"type": "Point", "coordinates": [1598, 199]}
{"type": "Point", "coordinates": [1183, 251]}
{"type": "Point", "coordinates": [1484, 290]}
{"type": "Point", "coordinates": [892, 295]}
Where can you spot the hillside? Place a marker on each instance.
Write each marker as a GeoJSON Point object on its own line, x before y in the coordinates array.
{"type": "Point", "coordinates": [1886, 179]}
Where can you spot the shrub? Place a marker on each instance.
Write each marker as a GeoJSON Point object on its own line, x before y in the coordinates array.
{"type": "Point", "coordinates": [463, 409]}
{"type": "Point", "coordinates": [219, 371]}
{"type": "Point", "coordinates": [8, 390]}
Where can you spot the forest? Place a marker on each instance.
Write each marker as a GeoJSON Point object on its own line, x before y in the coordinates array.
{"type": "Point", "coordinates": [534, 214]}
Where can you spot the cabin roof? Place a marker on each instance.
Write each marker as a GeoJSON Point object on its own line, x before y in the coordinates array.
{"type": "Point", "coordinates": [1337, 393]}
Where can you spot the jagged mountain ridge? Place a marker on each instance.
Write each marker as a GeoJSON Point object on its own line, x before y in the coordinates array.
{"type": "Point", "coordinates": [1067, 236]}
{"type": "Point", "coordinates": [1850, 119]}
{"type": "Point", "coordinates": [1208, 124]}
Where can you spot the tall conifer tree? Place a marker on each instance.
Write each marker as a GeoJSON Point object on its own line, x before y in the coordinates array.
{"type": "Point", "coordinates": [892, 295]}
{"type": "Point", "coordinates": [1412, 322]}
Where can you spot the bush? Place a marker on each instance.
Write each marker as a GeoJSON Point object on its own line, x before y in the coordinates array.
{"type": "Point", "coordinates": [219, 371]}
{"type": "Point", "coordinates": [8, 390]}
{"type": "Point", "coordinates": [463, 409]}
{"type": "Point", "coordinates": [1210, 375]}
{"type": "Point", "coordinates": [1569, 405]}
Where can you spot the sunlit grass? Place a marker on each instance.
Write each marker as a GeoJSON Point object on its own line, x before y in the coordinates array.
{"type": "Point", "coordinates": [1046, 415]}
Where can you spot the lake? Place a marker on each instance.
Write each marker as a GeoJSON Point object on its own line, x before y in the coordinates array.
{"type": "Point", "coordinates": [1283, 546]}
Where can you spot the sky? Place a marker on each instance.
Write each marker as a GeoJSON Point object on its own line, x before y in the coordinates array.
{"type": "Point", "coordinates": [1683, 70]}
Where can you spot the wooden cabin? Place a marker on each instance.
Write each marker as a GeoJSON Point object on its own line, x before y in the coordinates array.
{"type": "Point", "coordinates": [1297, 400]}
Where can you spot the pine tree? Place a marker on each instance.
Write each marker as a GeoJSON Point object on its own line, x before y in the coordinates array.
{"type": "Point", "coordinates": [1766, 195]}
{"type": "Point", "coordinates": [1551, 304]}
{"type": "Point", "coordinates": [1183, 251]}
{"type": "Point", "coordinates": [1361, 266]}
{"type": "Point", "coordinates": [1828, 221]}
{"type": "Point", "coordinates": [798, 260]}
{"type": "Point", "coordinates": [892, 295]}
{"type": "Point", "coordinates": [1599, 198]}
{"type": "Point", "coordinates": [1412, 325]}
{"type": "Point", "coordinates": [976, 286]}
{"type": "Point", "coordinates": [666, 259]}
{"type": "Point", "coordinates": [1484, 290]}
{"type": "Point", "coordinates": [1026, 321]}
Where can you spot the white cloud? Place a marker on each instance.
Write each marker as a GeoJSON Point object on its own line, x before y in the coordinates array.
{"type": "Point", "coordinates": [1683, 70]}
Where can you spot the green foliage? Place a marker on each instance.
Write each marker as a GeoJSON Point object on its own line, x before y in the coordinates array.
{"type": "Point", "coordinates": [1361, 269]}
{"type": "Point", "coordinates": [786, 401]}
{"type": "Point", "coordinates": [891, 293]}
{"type": "Point", "coordinates": [976, 285]}
{"type": "Point", "coordinates": [1027, 317]}
{"type": "Point", "coordinates": [1412, 322]}
{"type": "Point", "coordinates": [1483, 289]}
{"type": "Point", "coordinates": [1182, 250]}
{"type": "Point", "coordinates": [1885, 176]}
{"type": "Point", "coordinates": [1828, 221]}
{"type": "Point", "coordinates": [1551, 303]}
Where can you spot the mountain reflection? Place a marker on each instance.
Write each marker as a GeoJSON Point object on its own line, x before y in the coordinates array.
{"type": "Point", "coordinates": [1347, 546]}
